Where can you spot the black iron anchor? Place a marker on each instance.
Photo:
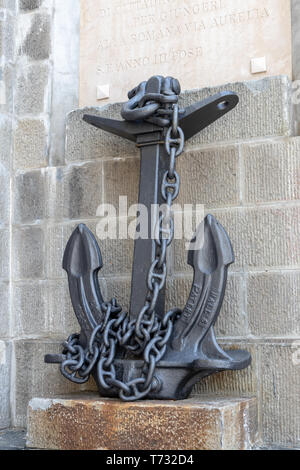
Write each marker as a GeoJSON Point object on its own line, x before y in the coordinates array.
{"type": "Point", "coordinates": [175, 349]}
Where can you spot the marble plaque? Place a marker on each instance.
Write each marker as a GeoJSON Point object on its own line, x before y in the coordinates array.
{"type": "Point", "coordinates": [202, 43]}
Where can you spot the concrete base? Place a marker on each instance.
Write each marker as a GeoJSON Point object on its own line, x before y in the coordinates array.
{"type": "Point", "coordinates": [93, 423]}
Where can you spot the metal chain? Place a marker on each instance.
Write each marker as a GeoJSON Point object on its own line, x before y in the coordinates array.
{"type": "Point", "coordinates": [147, 335]}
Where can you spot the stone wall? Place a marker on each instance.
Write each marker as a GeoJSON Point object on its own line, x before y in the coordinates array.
{"type": "Point", "coordinates": [245, 171]}
{"type": "Point", "coordinates": [39, 43]}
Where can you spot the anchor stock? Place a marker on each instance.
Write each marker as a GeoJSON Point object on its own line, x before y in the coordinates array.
{"type": "Point", "coordinates": [175, 349]}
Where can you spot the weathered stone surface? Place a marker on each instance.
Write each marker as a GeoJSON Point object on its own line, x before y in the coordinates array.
{"type": "Point", "coordinates": [30, 204]}
{"type": "Point", "coordinates": [7, 89]}
{"type": "Point", "coordinates": [56, 239]}
{"type": "Point", "coordinates": [5, 367]}
{"type": "Point", "coordinates": [33, 377]}
{"type": "Point", "coordinates": [210, 177]}
{"type": "Point", "coordinates": [273, 303]}
{"type": "Point", "coordinates": [5, 140]}
{"type": "Point", "coordinates": [264, 236]}
{"type": "Point", "coordinates": [261, 237]}
{"type": "Point", "coordinates": [28, 257]}
{"type": "Point", "coordinates": [65, 79]}
{"type": "Point", "coordinates": [30, 308]}
{"type": "Point", "coordinates": [30, 144]}
{"type": "Point", "coordinates": [206, 423]}
{"type": "Point", "coordinates": [35, 36]}
{"type": "Point", "coordinates": [61, 318]}
{"type": "Point", "coordinates": [4, 195]}
{"type": "Point", "coordinates": [271, 171]}
{"type": "Point", "coordinates": [5, 319]}
{"type": "Point", "coordinates": [32, 89]}
{"type": "Point", "coordinates": [43, 308]}
{"type": "Point", "coordinates": [85, 142]}
{"type": "Point", "coordinates": [12, 439]}
{"type": "Point", "coordinates": [280, 383]}
{"type": "Point", "coordinates": [28, 5]}
{"type": "Point", "coordinates": [10, 4]}
{"type": "Point", "coordinates": [62, 102]}
{"type": "Point", "coordinates": [7, 36]}
{"type": "Point", "coordinates": [4, 254]}
{"type": "Point", "coordinates": [120, 289]}
{"type": "Point", "coordinates": [233, 383]}
{"type": "Point", "coordinates": [75, 191]}
{"type": "Point", "coordinates": [121, 178]}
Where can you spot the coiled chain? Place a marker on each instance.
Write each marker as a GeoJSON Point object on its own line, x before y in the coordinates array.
{"type": "Point", "coordinates": [147, 335]}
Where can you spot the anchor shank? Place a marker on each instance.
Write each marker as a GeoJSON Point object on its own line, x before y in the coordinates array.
{"type": "Point", "coordinates": [154, 163]}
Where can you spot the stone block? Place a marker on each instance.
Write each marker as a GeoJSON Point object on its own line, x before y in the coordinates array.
{"type": "Point", "coordinates": [273, 303]}
{"type": "Point", "coordinates": [64, 99]}
{"type": "Point", "coordinates": [28, 257]}
{"type": "Point", "coordinates": [10, 4]}
{"type": "Point", "coordinates": [85, 142]}
{"type": "Point", "coordinates": [233, 383]}
{"type": "Point", "coordinates": [35, 36]}
{"type": "Point", "coordinates": [4, 254]}
{"type": "Point", "coordinates": [5, 367]}
{"type": "Point", "coordinates": [280, 384]}
{"type": "Point", "coordinates": [207, 423]}
{"type": "Point", "coordinates": [210, 177]}
{"type": "Point", "coordinates": [56, 239]}
{"type": "Point", "coordinates": [33, 377]}
{"type": "Point", "coordinates": [5, 140]}
{"type": "Point", "coordinates": [29, 192]}
{"type": "Point", "coordinates": [232, 320]}
{"type": "Point", "coordinates": [61, 318]}
{"type": "Point", "coordinates": [30, 144]}
{"type": "Point", "coordinates": [261, 237]}
{"type": "Point", "coordinates": [7, 82]}
{"type": "Point", "coordinates": [4, 195]}
{"type": "Point", "coordinates": [30, 309]}
{"type": "Point", "coordinates": [32, 90]}
{"type": "Point", "coordinates": [4, 310]}
{"type": "Point", "coordinates": [117, 257]}
{"type": "Point", "coordinates": [120, 289]}
{"type": "Point", "coordinates": [271, 171]}
{"type": "Point", "coordinates": [29, 5]}
{"type": "Point", "coordinates": [121, 178]}
{"type": "Point", "coordinates": [75, 191]}
{"type": "Point", "coordinates": [7, 36]}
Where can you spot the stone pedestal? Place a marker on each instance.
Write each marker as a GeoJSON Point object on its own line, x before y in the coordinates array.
{"type": "Point", "coordinates": [89, 422]}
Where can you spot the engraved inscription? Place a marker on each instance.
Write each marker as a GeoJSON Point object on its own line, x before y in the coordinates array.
{"type": "Point", "coordinates": [202, 43]}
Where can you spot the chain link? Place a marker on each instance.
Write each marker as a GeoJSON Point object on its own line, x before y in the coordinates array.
{"type": "Point", "coordinates": [147, 335]}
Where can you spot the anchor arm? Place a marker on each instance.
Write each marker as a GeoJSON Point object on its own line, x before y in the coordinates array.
{"type": "Point", "coordinates": [200, 115]}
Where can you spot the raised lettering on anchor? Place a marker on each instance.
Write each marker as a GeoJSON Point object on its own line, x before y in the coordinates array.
{"type": "Point", "coordinates": [189, 308]}
{"type": "Point", "coordinates": [205, 317]}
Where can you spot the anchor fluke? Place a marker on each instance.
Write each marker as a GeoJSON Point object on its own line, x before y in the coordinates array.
{"type": "Point", "coordinates": [82, 260]}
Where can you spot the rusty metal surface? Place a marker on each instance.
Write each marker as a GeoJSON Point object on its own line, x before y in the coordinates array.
{"type": "Point", "coordinates": [91, 423]}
